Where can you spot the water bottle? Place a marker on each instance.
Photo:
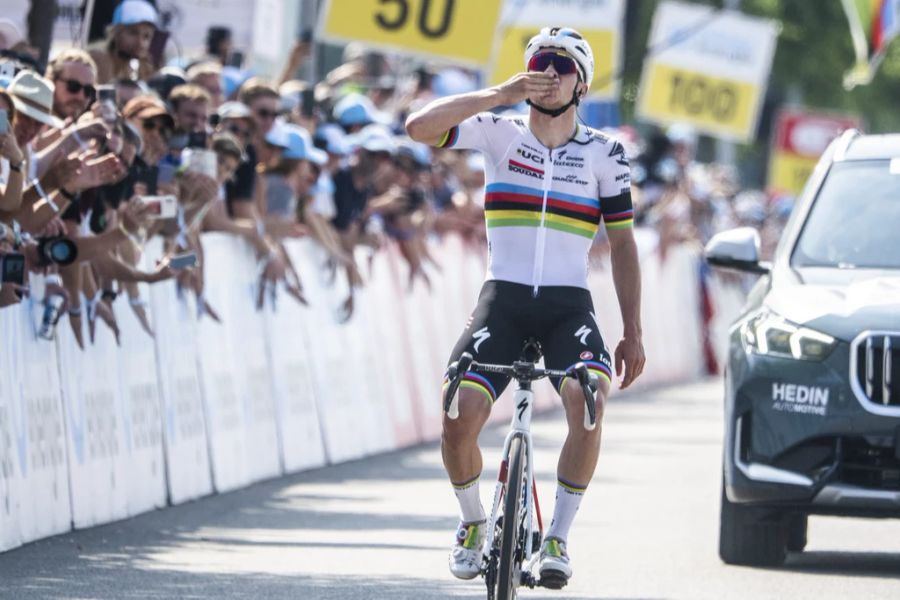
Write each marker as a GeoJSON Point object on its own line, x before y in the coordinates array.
{"type": "Point", "coordinates": [52, 307]}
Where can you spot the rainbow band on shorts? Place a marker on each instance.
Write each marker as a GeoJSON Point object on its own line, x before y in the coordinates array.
{"type": "Point", "coordinates": [597, 368]}
{"type": "Point", "coordinates": [474, 381]}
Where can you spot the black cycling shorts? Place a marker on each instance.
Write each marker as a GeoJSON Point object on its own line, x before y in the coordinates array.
{"type": "Point", "coordinates": [560, 318]}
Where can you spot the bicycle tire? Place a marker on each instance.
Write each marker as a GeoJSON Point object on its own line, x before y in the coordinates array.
{"type": "Point", "coordinates": [509, 551]}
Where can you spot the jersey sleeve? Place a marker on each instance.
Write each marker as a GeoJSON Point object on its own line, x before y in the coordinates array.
{"type": "Point", "coordinates": [615, 190]}
{"type": "Point", "coordinates": [485, 132]}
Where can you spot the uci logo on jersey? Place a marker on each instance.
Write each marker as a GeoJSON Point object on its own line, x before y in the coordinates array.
{"type": "Point", "coordinates": [529, 155]}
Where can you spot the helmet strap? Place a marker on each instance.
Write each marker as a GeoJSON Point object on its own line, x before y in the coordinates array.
{"type": "Point", "coordinates": [555, 112]}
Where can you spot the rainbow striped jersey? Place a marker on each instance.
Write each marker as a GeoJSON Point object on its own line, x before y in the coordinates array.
{"type": "Point", "coordinates": [543, 206]}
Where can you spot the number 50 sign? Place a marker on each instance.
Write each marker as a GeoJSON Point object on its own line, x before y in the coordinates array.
{"type": "Point", "coordinates": [457, 30]}
{"type": "Point", "coordinates": [709, 69]}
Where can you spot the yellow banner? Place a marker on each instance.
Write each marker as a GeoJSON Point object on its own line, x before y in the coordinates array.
{"type": "Point", "coordinates": [788, 172]}
{"type": "Point", "coordinates": [714, 105]}
{"type": "Point", "coordinates": [458, 30]}
{"type": "Point", "coordinates": [603, 42]}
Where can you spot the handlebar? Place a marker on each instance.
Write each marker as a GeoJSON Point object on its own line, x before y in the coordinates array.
{"type": "Point", "coordinates": [520, 371]}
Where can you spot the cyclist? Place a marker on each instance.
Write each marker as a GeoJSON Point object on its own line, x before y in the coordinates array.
{"type": "Point", "coordinates": [549, 183]}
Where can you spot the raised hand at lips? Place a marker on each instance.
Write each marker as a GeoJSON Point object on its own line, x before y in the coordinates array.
{"type": "Point", "coordinates": [521, 86]}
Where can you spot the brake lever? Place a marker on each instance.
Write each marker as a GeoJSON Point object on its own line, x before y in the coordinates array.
{"type": "Point", "coordinates": [588, 387]}
{"type": "Point", "coordinates": [454, 374]}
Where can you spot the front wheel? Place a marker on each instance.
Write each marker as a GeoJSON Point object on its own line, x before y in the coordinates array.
{"type": "Point", "coordinates": [510, 561]}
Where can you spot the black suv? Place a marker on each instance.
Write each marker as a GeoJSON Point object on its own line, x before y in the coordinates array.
{"type": "Point", "coordinates": [812, 382]}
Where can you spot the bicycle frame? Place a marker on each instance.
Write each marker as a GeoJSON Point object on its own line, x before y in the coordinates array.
{"type": "Point", "coordinates": [523, 401]}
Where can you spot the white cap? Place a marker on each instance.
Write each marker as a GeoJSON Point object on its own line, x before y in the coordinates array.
{"type": "Point", "coordinates": [233, 110]}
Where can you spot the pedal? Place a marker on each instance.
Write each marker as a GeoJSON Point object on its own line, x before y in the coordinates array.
{"type": "Point", "coordinates": [528, 580]}
{"type": "Point", "coordinates": [553, 580]}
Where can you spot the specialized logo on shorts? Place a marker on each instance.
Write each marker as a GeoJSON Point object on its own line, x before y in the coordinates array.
{"type": "Point", "coordinates": [523, 169]}
{"type": "Point", "coordinates": [481, 335]}
{"type": "Point", "coordinates": [582, 333]}
{"type": "Point", "coordinates": [586, 355]}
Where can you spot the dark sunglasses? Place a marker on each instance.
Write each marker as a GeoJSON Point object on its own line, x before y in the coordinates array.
{"type": "Point", "coordinates": [263, 113]}
{"type": "Point", "coordinates": [562, 64]}
{"type": "Point", "coordinates": [73, 87]}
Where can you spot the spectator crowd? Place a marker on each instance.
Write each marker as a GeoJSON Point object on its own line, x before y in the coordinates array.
{"type": "Point", "coordinates": [108, 147]}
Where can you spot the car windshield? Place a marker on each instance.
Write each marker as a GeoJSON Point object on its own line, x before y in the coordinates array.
{"type": "Point", "coordinates": [854, 220]}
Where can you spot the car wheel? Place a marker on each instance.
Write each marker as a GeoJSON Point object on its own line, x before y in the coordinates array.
{"type": "Point", "coordinates": [797, 526]}
{"type": "Point", "coordinates": [750, 535]}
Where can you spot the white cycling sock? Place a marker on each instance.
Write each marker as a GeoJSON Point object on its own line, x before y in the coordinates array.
{"type": "Point", "coordinates": [469, 498]}
{"type": "Point", "coordinates": [568, 499]}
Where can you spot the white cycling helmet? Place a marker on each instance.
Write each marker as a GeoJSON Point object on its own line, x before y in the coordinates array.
{"type": "Point", "coordinates": [566, 39]}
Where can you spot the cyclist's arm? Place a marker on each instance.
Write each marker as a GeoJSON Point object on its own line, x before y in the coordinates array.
{"type": "Point", "coordinates": [429, 124]}
{"type": "Point", "coordinates": [626, 270]}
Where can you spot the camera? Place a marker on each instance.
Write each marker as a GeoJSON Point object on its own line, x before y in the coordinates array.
{"type": "Point", "coordinates": [59, 251]}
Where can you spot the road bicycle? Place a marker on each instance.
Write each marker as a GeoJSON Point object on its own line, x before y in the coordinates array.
{"type": "Point", "coordinates": [512, 544]}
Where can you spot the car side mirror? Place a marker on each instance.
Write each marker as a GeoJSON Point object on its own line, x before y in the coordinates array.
{"type": "Point", "coordinates": [736, 249]}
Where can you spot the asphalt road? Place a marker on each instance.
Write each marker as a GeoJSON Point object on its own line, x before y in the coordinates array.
{"type": "Point", "coordinates": [381, 528]}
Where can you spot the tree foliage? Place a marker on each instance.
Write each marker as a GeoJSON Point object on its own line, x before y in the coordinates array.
{"type": "Point", "coordinates": [813, 53]}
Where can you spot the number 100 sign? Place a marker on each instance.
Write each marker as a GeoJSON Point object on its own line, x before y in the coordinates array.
{"type": "Point", "coordinates": [457, 30]}
{"type": "Point", "coordinates": [708, 68]}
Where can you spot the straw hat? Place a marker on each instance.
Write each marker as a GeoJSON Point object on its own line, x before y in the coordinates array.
{"type": "Point", "coordinates": [33, 97]}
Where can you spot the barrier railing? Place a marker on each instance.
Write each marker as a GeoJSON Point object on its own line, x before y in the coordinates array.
{"type": "Point", "coordinates": [88, 437]}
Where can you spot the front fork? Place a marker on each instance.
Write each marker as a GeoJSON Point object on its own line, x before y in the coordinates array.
{"type": "Point", "coordinates": [522, 403]}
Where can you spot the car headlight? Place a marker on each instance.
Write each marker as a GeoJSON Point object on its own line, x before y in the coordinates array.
{"type": "Point", "coordinates": [771, 335]}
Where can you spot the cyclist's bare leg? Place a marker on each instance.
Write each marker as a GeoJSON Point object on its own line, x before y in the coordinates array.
{"type": "Point", "coordinates": [581, 449]}
{"type": "Point", "coordinates": [459, 439]}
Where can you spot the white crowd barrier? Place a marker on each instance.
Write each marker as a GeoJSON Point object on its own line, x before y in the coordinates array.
{"type": "Point", "coordinates": [91, 436]}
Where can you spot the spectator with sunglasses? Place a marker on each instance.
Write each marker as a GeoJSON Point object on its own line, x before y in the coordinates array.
{"type": "Point", "coordinates": [74, 75]}
{"type": "Point", "coordinates": [151, 118]}
{"type": "Point", "coordinates": [263, 101]}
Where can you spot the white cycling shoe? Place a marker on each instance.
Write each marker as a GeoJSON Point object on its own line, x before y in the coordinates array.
{"type": "Point", "coordinates": [466, 554]}
{"type": "Point", "coordinates": [554, 569]}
